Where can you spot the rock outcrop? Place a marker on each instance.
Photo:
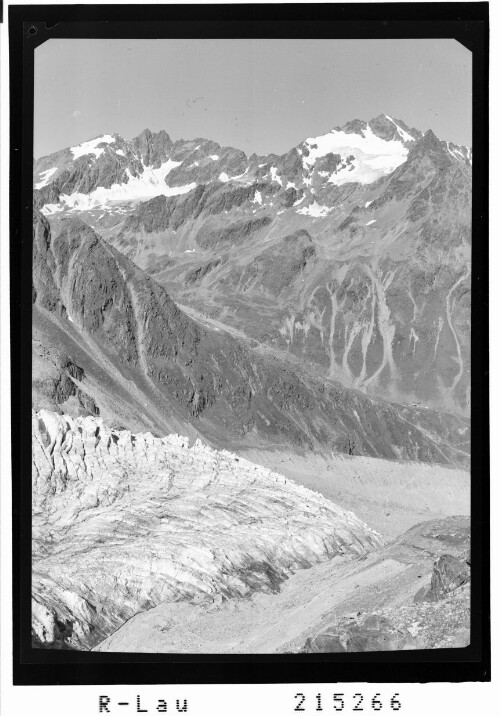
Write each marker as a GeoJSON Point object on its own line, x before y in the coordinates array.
{"type": "Point", "coordinates": [448, 574]}
{"type": "Point", "coordinates": [368, 632]}
{"type": "Point", "coordinates": [123, 522]}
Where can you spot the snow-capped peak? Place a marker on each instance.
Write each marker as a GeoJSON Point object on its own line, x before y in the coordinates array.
{"type": "Point", "coordinates": [364, 156]}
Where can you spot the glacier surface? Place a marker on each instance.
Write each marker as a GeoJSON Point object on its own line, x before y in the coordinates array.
{"type": "Point", "coordinates": [124, 522]}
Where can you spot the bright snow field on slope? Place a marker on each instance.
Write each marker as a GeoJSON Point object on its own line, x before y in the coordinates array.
{"type": "Point", "coordinates": [91, 147]}
{"type": "Point", "coordinates": [45, 177]}
{"type": "Point", "coordinates": [151, 183]}
{"type": "Point", "coordinates": [373, 157]}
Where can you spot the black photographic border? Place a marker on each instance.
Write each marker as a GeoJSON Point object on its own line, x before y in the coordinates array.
{"type": "Point", "coordinates": [29, 27]}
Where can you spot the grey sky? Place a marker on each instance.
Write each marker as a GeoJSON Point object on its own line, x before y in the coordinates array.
{"type": "Point", "coordinates": [256, 95]}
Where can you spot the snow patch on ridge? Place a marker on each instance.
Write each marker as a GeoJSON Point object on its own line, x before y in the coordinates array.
{"type": "Point", "coordinates": [404, 135]}
{"type": "Point", "coordinates": [49, 209]}
{"type": "Point", "coordinates": [45, 177]}
{"type": "Point", "coordinates": [314, 209]}
{"type": "Point", "coordinates": [459, 153]}
{"type": "Point", "coordinates": [275, 177]}
{"type": "Point", "coordinates": [91, 147]}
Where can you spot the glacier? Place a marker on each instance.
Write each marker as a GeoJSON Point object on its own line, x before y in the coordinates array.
{"type": "Point", "coordinates": [124, 522]}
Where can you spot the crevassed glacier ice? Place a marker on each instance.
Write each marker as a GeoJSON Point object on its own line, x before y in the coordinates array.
{"type": "Point", "coordinates": [123, 522]}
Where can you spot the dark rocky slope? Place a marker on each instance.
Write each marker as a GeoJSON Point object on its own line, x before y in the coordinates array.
{"type": "Point", "coordinates": [147, 363]}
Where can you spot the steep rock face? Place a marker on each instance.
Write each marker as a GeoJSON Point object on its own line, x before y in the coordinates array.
{"type": "Point", "coordinates": [60, 384]}
{"type": "Point", "coordinates": [122, 522]}
{"type": "Point", "coordinates": [205, 375]}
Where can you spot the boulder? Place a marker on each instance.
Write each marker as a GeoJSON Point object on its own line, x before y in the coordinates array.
{"type": "Point", "coordinates": [325, 643]}
{"type": "Point", "coordinates": [372, 633]}
{"type": "Point", "coordinates": [448, 574]}
{"type": "Point", "coordinates": [382, 638]}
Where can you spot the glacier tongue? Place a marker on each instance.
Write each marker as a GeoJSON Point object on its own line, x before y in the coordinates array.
{"type": "Point", "coordinates": [123, 522]}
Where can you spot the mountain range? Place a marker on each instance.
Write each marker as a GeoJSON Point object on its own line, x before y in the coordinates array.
{"type": "Point", "coordinates": [351, 252]}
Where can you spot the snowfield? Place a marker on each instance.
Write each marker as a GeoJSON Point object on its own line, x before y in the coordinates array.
{"type": "Point", "coordinates": [150, 183]}
{"type": "Point", "coordinates": [373, 157]}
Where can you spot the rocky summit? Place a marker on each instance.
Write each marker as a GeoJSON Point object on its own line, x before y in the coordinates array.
{"type": "Point", "coordinates": [303, 321]}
